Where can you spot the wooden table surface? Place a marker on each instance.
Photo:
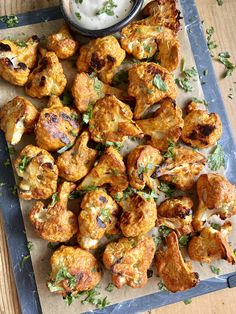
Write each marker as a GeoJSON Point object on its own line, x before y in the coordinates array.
{"type": "Point", "coordinates": [222, 18]}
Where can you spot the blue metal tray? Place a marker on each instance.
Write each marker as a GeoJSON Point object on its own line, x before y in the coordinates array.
{"type": "Point", "coordinates": [10, 206]}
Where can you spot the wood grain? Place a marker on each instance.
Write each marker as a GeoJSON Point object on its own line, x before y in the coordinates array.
{"type": "Point", "coordinates": [222, 18]}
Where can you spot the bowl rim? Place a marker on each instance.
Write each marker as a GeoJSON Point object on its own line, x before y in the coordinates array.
{"type": "Point", "coordinates": [104, 31]}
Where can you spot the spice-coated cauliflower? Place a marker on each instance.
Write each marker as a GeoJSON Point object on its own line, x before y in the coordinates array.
{"type": "Point", "coordinates": [17, 117]}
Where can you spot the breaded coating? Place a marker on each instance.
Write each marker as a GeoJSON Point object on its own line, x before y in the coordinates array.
{"type": "Point", "coordinates": [176, 214]}
{"type": "Point", "coordinates": [74, 164]}
{"type": "Point", "coordinates": [201, 129]}
{"type": "Point", "coordinates": [129, 259]}
{"type": "Point", "coordinates": [17, 117]}
{"type": "Point", "coordinates": [139, 215]}
{"type": "Point", "coordinates": [47, 79]}
{"type": "Point", "coordinates": [217, 196]}
{"type": "Point", "coordinates": [55, 223]}
{"type": "Point", "coordinates": [62, 43]}
{"type": "Point", "coordinates": [57, 126]}
{"type": "Point", "coordinates": [141, 164]}
{"type": "Point", "coordinates": [211, 245]}
{"type": "Point", "coordinates": [99, 215]}
{"type": "Point", "coordinates": [112, 121]}
{"type": "Point", "coordinates": [73, 270]}
{"type": "Point", "coordinates": [38, 172]}
{"type": "Point", "coordinates": [144, 78]}
{"type": "Point", "coordinates": [176, 274]}
{"type": "Point", "coordinates": [165, 125]}
{"type": "Point", "coordinates": [181, 169]}
{"type": "Point", "coordinates": [87, 89]}
{"type": "Point", "coordinates": [17, 58]}
{"type": "Point", "coordinates": [110, 169]}
{"type": "Point", "coordinates": [103, 56]}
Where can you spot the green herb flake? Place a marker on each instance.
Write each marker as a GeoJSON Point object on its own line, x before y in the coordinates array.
{"type": "Point", "coordinates": [51, 246]}
{"type": "Point", "coordinates": [117, 145]}
{"type": "Point", "coordinates": [21, 43]}
{"type": "Point", "coordinates": [215, 270]}
{"type": "Point", "coordinates": [110, 287]}
{"type": "Point", "coordinates": [11, 150]}
{"type": "Point", "coordinates": [105, 214]}
{"type": "Point", "coordinates": [79, 1]}
{"type": "Point", "coordinates": [161, 286]}
{"type": "Point", "coordinates": [183, 240]}
{"type": "Point", "coordinates": [6, 162]}
{"type": "Point", "coordinates": [164, 231]}
{"type": "Point", "coordinates": [215, 226]}
{"type": "Point", "coordinates": [157, 240]}
{"type": "Point", "coordinates": [159, 83]}
{"type": "Point", "coordinates": [67, 99]}
{"type": "Point", "coordinates": [88, 114]}
{"type": "Point", "coordinates": [211, 44]}
{"type": "Point", "coordinates": [78, 15]}
{"type": "Point", "coordinates": [24, 260]}
{"type": "Point", "coordinates": [64, 148]}
{"type": "Point", "coordinates": [235, 252]}
{"type": "Point", "coordinates": [184, 84]}
{"type": "Point", "coordinates": [170, 150]}
{"type": "Point", "coordinates": [55, 199]}
{"type": "Point", "coordinates": [89, 188]}
{"type": "Point", "coordinates": [24, 162]}
{"type": "Point", "coordinates": [200, 101]}
{"type": "Point", "coordinates": [187, 301]}
{"type": "Point", "coordinates": [30, 246]}
{"type": "Point", "coordinates": [108, 8]}
{"type": "Point", "coordinates": [220, 2]}
{"type": "Point", "coordinates": [224, 57]}
{"type": "Point", "coordinates": [64, 274]}
{"type": "Point", "coordinates": [10, 20]}
{"type": "Point", "coordinates": [166, 189]}
{"type": "Point", "coordinates": [216, 159]}
{"type": "Point", "coordinates": [182, 66]}
{"type": "Point", "coordinates": [190, 73]}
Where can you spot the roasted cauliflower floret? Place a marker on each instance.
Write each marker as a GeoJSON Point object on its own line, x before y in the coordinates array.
{"type": "Point", "coordinates": [129, 259]}
{"type": "Point", "coordinates": [16, 59]}
{"type": "Point", "coordinates": [149, 83]}
{"type": "Point", "coordinates": [110, 169]}
{"type": "Point", "coordinates": [99, 215]}
{"type": "Point", "coordinates": [73, 270]}
{"type": "Point", "coordinates": [102, 55]}
{"type": "Point", "coordinates": [141, 164]}
{"type": "Point", "coordinates": [55, 223]}
{"type": "Point", "coordinates": [112, 121]}
{"type": "Point", "coordinates": [181, 169]}
{"type": "Point", "coordinates": [211, 245]}
{"type": "Point", "coordinates": [176, 274]}
{"type": "Point", "coordinates": [169, 54]}
{"type": "Point", "coordinates": [165, 126]}
{"type": "Point", "coordinates": [17, 117]}
{"type": "Point", "coordinates": [201, 129]}
{"type": "Point", "coordinates": [38, 172]}
{"type": "Point", "coordinates": [57, 126]}
{"type": "Point", "coordinates": [87, 89]}
{"type": "Point", "coordinates": [62, 43]}
{"type": "Point", "coordinates": [47, 79]}
{"type": "Point", "coordinates": [217, 196]}
{"type": "Point", "coordinates": [176, 214]}
{"type": "Point", "coordinates": [139, 215]}
{"type": "Point", "coordinates": [74, 164]}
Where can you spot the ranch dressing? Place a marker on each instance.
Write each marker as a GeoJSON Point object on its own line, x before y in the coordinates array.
{"type": "Point", "coordinates": [99, 14]}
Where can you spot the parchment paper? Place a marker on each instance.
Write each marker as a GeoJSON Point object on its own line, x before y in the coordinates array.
{"type": "Point", "coordinates": [52, 303]}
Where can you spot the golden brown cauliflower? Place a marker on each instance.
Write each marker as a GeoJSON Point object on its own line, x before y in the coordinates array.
{"type": "Point", "coordinates": [149, 83]}
{"type": "Point", "coordinates": [176, 274]}
{"type": "Point", "coordinates": [165, 126]}
{"type": "Point", "coordinates": [17, 117]}
{"type": "Point", "coordinates": [176, 214]}
{"type": "Point", "coordinates": [99, 215]}
{"type": "Point", "coordinates": [141, 164]}
{"type": "Point", "coordinates": [102, 55]}
{"type": "Point", "coordinates": [47, 79]}
{"type": "Point", "coordinates": [112, 121]}
{"type": "Point", "coordinates": [73, 270]}
{"type": "Point", "coordinates": [211, 245]}
{"type": "Point", "coordinates": [129, 259]}
{"type": "Point", "coordinates": [110, 169]}
{"type": "Point", "coordinates": [74, 164]}
{"type": "Point", "coordinates": [57, 127]}
{"type": "Point", "coordinates": [201, 129]}
{"type": "Point", "coordinates": [62, 43]}
{"type": "Point", "coordinates": [87, 89]}
{"type": "Point", "coordinates": [17, 58]}
{"type": "Point", "coordinates": [217, 196]}
{"type": "Point", "coordinates": [38, 172]}
{"type": "Point", "coordinates": [181, 169]}
{"type": "Point", "coordinates": [139, 214]}
{"type": "Point", "coordinates": [55, 223]}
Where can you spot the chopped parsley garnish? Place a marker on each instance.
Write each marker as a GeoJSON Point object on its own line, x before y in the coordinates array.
{"type": "Point", "coordinates": [78, 15]}
{"type": "Point", "coordinates": [74, 195]}
{"type": "Point", "coordinates": [170, 150]}
{"type": "Point", "coordinates": [108, 8]}
{"type": "Point", "coordinates": [88, 114]}
{"type": "Point", "coordinates": [64, 148]}
{"type": "Point", "coordinates": [159, 83]}
{"type": "Point", "coordinates": [224, 57]}
{"type": "Point", "coordinates": [187, 76]}
{"type": "Point", "coordinates": [211, 44]}
{"type": "Point", "coordinates": [67, 99]}
{"type": "Point", "coordinates": [21, 43]}
{"type": "Point", "coordinates": [105, 214]}
{"type": "Point", "coordinates": [79, 1]}
{"type": "Point", "coordinates": [200, 101]}
{"type": "Point", "coordinates": [89, 188]}
{"type": "Point", "coordinates": [24, 260]}
{"type": "Point", "coordinates": [215, 270]}
{"type": "Point", "coordinates": [165, 188]}
{"type": "Point", "coordinates": [220, 2]}
{"type": "Point", "coordinates": [157, 240]}
{"type": "Point", "coordinates": [55, 199]}
{"type": "Point", "coordinates": [215, 226]}
{"type": "Point", "coordinates": [11, 150]}
{"type": "Point", "coordinates": [10, 20]}
{"type": "Point", "coordinates": [149, 195]}
{"type": "Point", "coordinates": [164, 231]}
{"type": "Point", "coordinates": [24, 162]}
{"type": "Point", "coordinates": [98, 85]}
{"type": "Point", "coordinates": [30, 245]}
{"type": "Point", "coordinates": [161, 286]}
{"type": "Point", "coordinates": [117, 145]}
{"type": "Point", "coordinates": [187, 301]}
{"type": "Point", "coordinates": [190, 73]}
{"type": "Point", "coordinates": [110, 287]}
{"type": "Point", "coordinates": [183, 240]}
{"type": "Point", "coordinates": [216, 159]}
{"type": "Point", "coordinates": [6, 162]}
{"type": "Point", "coordinates": [61, 275]}
{"type": "Point", "coordinates": [184, 84]}
{"type": "Point", "coordinates": [147, 48]}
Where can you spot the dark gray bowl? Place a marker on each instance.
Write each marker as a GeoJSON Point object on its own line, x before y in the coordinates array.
{"type": "Point", "coordinates": [65, 8]}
